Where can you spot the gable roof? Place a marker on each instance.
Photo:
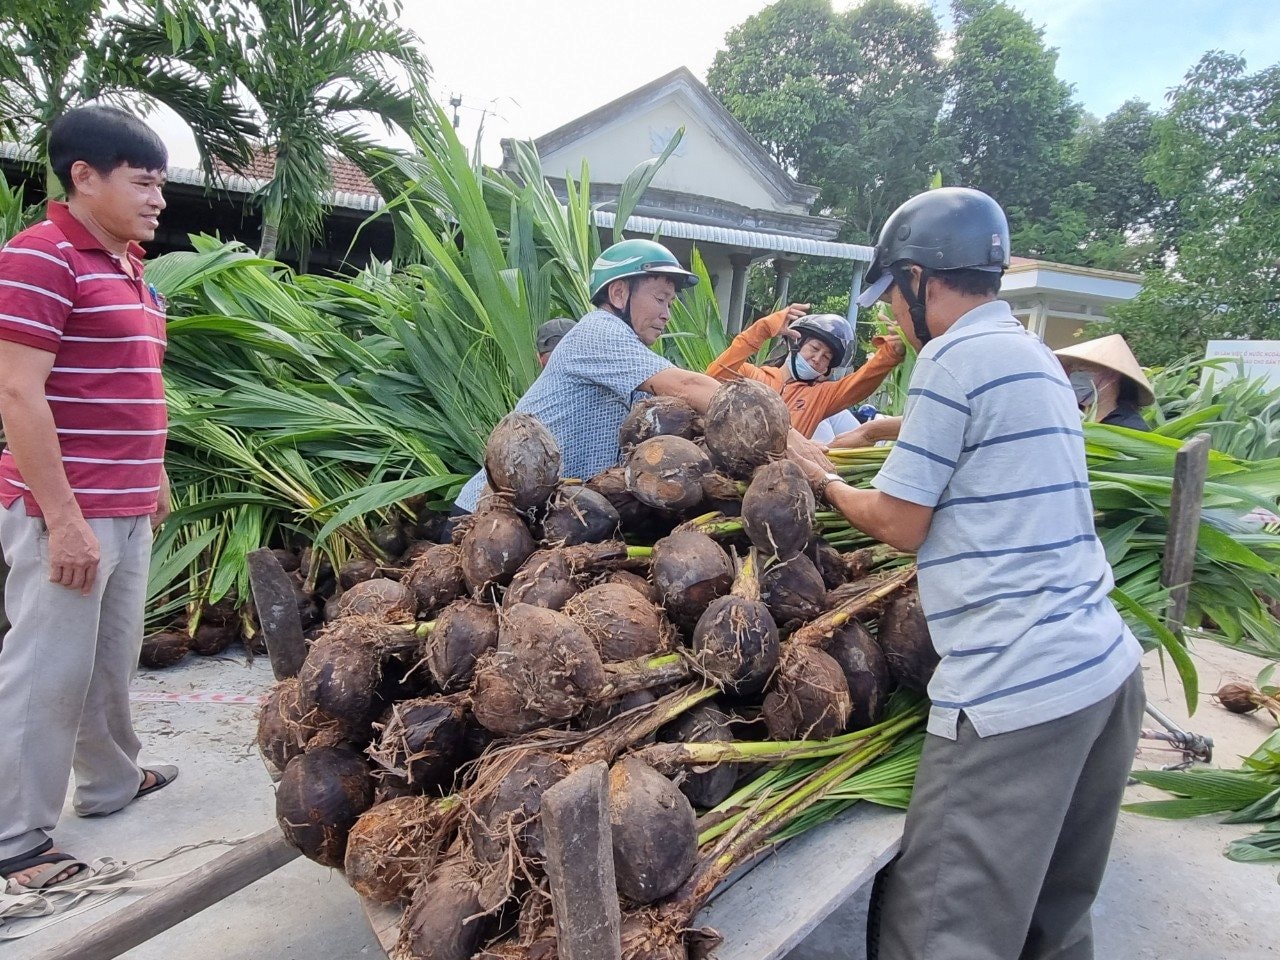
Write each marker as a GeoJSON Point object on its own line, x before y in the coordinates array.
{"type": "Point", "coordinates": [681, 81]}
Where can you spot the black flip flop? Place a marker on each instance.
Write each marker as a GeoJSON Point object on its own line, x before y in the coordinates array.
{"type": "Point", "coordinates": [164, 774]}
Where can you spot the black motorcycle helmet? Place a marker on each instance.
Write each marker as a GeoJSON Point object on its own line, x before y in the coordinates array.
{"type": "Point", "coordinates": [950, 228]}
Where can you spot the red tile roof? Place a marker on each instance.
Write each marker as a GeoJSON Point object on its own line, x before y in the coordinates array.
{"type": "Point", "coordinates": [346, 175]}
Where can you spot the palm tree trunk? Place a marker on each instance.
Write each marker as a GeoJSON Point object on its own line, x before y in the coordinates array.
{"type": "Point", "coordinates": [270, 230]}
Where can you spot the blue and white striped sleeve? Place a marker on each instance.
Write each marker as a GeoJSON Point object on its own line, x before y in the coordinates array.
{"type": "Point", "coordinates": [919, 467]}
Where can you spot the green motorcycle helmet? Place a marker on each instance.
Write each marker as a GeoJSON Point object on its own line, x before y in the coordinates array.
{"type": "Point", "coordinates": [636, 258]}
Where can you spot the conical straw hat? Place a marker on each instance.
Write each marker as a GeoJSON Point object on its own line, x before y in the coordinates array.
{"type": "Point", "coordinates": [1114, 354]}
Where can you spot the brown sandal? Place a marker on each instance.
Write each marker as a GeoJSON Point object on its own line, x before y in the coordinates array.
{"type": "Point", "coordinates": [52, 866]}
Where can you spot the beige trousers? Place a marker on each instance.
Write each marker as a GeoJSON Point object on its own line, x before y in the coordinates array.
{"type": "Point", "coordinates": [64, 678]}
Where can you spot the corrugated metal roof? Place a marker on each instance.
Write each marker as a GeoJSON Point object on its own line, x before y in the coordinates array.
{"type": "Point", "coordinates": [747, 239]}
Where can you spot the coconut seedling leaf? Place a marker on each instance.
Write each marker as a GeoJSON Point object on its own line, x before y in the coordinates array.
{"type": "Point", "coordinates": [1182, 809]}
{"type": "Point", "coordinates": [1261, 847]}
{"type": "Point", "coordinates": [1224, 786]}
{"type": "Point", "coordinates": [1170, 644]}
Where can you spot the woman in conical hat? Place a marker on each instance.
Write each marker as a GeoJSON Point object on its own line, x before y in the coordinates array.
{"type": "Point", "coordinates": [1108, 381]}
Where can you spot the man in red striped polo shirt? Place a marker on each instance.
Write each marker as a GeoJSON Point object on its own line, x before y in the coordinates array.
{"type": "Point", "coordinates": [82, 483]}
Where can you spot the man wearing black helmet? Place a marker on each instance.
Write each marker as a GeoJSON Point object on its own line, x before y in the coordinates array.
{"type": "Point", "coordinates": [1037, 700]}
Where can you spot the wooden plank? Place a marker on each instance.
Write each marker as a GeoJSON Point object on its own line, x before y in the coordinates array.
{"type": "Point", "coordinates": [1189, 469]}
{"type": "Point", "coordinates": [786, 895]}
{"type": "Point", "coordinates": [765, 909]}
{"type": "Point", "coordinates": [579, 848]}
{"type": "Point", "coordinates": [277, 613]}
{"type": "Point", "coordinates": [153, 914]}
{"type": "Point", "coordinates": [384, 921]}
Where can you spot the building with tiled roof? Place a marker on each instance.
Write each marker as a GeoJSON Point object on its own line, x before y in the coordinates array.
{"type": "Point", "coordinates": [226, 208]}
{"type": "Point", "coordinates": [348, 179]}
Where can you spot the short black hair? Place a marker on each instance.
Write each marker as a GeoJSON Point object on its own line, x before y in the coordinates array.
{"type": "Point", "coordinates": [105, 138]}
{"type": "Point", "coordinates": [971, 283]}
{"type": "Point", "coordinates": [602, 295]}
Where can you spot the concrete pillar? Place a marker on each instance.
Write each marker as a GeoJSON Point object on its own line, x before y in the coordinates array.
{"type": "Point", "coordinates": [738, 292]}
{"type": "Point", "coordinates": [855, 291]}
{"type": "Point", "coordinates": [1038, 319]}
{"type": "Point", "coordinates": [782, 270]}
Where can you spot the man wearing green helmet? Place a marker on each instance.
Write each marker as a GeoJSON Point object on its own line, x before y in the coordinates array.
{"type": "Point", "coordinates": [604, 363]}
{"type": "Point", "coordinates": [1037, 699]}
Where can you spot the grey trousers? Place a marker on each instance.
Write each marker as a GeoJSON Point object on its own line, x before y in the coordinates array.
{"type": "Point", "coordinates": [1007, 838]}
{"type": "Point", "coordinates": [64, 678]}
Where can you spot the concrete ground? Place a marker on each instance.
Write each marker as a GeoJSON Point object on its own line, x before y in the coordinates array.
{"type": "Point", "coordinates": [1169, 892]}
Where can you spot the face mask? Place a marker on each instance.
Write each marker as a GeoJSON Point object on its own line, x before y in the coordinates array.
{"type": "Point", "coordinates": [1085, 390]}
{"type": "Point", "coordinates": [801, 370]}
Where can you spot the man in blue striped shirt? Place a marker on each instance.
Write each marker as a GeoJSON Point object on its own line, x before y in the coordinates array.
{"type": "Point", "coordinates": [1037, 700]}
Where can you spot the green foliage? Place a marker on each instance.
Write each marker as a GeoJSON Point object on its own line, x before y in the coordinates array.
{"type": "Point", "coordinates": [314, 70]}
{"type": "Point", "coordinates": [62, 55]}
{"type": "Point", "coordinates": [768, 78]}
{"type": "Point", "coordinates": [15, 213]}
{"type": "Point", "coordinates": [1110, 156]}
{"type": "Point", "coordinates": [1011, 118]}
{"type": "Point", "coordinates": [1241, 416]}
{"type": "Point", "coordinates": [695, 335]}
{"type": "Point", "coordinates": [1131, 482]}
{"type": "Point", "coordinates": [1251, 794]}
{"type": "Point", "coordinates": [846, 100]}
{"type": "Point", "coordinates": [1216, 158]}
{"type": "Point", "coordinates": [276, 409]}
{"type": "Point", "coordinates": [313, 406]}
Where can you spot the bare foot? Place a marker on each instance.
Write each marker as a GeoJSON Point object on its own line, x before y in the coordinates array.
{"type": "Point", "coordinates": [149, 780]}
{"type": "Point", "coordinates": [24, 876]}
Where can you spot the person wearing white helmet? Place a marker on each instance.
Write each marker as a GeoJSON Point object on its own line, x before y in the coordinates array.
{"type": "Point", "coordinates": [816, 345]}
{"type": "Point", "coordinates": [1036, 703]}
{"type": "Point", "coordinates": [604, 363]}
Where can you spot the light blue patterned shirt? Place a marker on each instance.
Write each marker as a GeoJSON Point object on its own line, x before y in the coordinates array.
{"type": "Point", "coordinates": [584, 394]}
{"type": "Point", "coordinates": [1013, 579]}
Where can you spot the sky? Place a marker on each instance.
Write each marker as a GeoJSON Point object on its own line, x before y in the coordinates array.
{"type": "Point", "coordinates": [524, 67]}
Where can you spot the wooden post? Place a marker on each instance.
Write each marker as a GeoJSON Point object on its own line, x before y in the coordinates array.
{"type": "Point", "coordinates": [1189, 469]}
{"type": "Point", "coordinates": [157, 912]}
{"type": "Point", "coordinates": [277, 613]}
{"type": "Point", "coordinates": [579, 845]}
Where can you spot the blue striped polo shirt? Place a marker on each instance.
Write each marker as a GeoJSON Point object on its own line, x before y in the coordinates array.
{"type": "Point", "coordinates": [1013, 578]}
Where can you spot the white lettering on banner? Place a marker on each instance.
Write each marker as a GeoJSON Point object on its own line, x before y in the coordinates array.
{"type": "Point", "coordinates": [1259, 359]}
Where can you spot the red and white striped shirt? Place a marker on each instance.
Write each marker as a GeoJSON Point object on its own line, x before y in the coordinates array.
{"type": "Point", "coordinates": [62, 291]}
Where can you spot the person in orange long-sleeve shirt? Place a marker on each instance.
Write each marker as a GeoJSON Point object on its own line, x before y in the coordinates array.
{"type": "Point", "coordinates": [819, 343]}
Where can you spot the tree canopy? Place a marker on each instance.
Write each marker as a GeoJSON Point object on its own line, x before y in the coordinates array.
{"type": "Point", "coordinates": [1217, 157]}
{"type": "Point", "coordinates": [56, 56]}
{"type": "Point", "coordinates": [1010, 120]}
{"type": "Point", "coordinates": [833, 94]}
{"type": "Point", "coordinates": [313, 70]}
{"type": "Point", "coordinates": [864, 104]}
